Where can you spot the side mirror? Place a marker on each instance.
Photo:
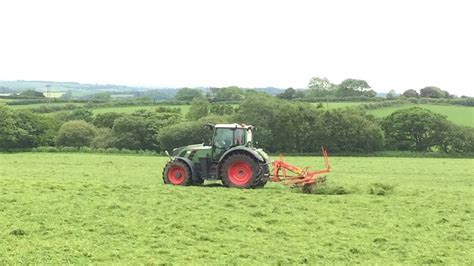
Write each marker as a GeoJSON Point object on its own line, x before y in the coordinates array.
{"type": "Point", "coordinates": [209, 126]}
{"type": "Point", "coordinates": [206, 142]}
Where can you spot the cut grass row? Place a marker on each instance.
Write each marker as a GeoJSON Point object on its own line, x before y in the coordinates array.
{"type": "Point", "coordinates": [87, 208]}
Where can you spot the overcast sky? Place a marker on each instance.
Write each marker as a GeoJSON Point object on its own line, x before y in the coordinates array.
{"type": "Point", "coordinates": [392, 44]}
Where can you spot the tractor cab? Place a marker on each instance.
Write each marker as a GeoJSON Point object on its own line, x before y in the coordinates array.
{"type": "Point", "coordinates": [227, 136]}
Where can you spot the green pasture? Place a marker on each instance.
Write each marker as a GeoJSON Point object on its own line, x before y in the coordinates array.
{"type": "Point", "coordinates": [461, 115]}
{"type": "Point", "coordinates": [91, 209]}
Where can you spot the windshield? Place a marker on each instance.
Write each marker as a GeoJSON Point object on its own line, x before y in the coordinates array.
{"type": "Point", "coordinates": [226, 137]}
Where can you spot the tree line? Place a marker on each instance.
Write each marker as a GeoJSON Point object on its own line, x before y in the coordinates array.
{"type": "Point", "coordinates": [281, 126]}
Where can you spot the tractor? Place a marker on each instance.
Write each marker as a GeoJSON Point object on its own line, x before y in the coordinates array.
{"type": "Point", "coordinates": [232, 158]}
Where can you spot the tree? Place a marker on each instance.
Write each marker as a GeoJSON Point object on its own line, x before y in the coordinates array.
{"type": "Point", "coordinates": [32, 94]}
{"type": "Point", "coordinates": [458, 139]}
{"type": "Point", "coordinates": [392, 94]}
{"type": "Point", "coordinates": [24, 129]}
{"type": "Point", "coordinates": [199, 108]}
{"type": "Point", "coordinates": [103, 139]}
{"type": "Point", "coordinates": [415, 129]}
{"type": "Point", "coordinates": [222, 109]}
{"type": "Point", "coordinates": [352, 87]}
{"type": "Point", "coordinates": [106, 119]}
{"type": "Point", "coordinates": [231, 93]}
{"type": "Point", "coordinates": [369, 93]}
{"type": "Point", "coordinates": [139, 130]}
{"type": "Point", "coordinates": [319, 84]}
{"type": "Point", "coordinates": [447, 95]}
{"type": "Point", "coordinates": [299, 94]}
{"type": "Point", "coordinates": [320, 87]}
{"type": "Point", "coordinates": [131, 132]}
{"type": "Point", "coordinates": [432, 92]}
{"type": "Point", "coordinates": [8, 129]}
{"type": "Point", "coordinates": [346, 130]}
{"type": "Point", "coordinates": [411, 93]}
{"type": "Point", "coordinates": [76, 133]}
{"type": "Point", "coordinates": [287, 94]}
{"type": "Point", "coordinates": [187, 94]}
{"type": "Point", "coordinates": [183, 134]}
{"type": "Point", "coordinates": [81, 114]}
{"type": "Point", "coordinates": [260, 111]}
{"type": "Point", "coordinates": [102, 96]}
{"type": "Point", "coordinates": [283, 126]}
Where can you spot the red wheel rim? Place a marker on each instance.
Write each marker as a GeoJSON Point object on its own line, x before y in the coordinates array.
{"type": "Point", "coordinates": [239, 173]}
{"type": "Point", "coordinates": [176, 175]}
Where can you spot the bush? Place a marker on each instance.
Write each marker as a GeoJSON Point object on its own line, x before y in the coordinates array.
{"type": "Point", "coordinates": [103, 140]}
{"type": "Point", "coordinates": [199, 108]}
{"type": "Point", "coordinates": [76, 133]}
{"type": "Point", "coordinates": [81, 114]}
{"type": "Point", "coordinates": [458, 139]}
{"type": "Point", "coordinates": [415, 129]}
{"type": "Point", "coordinates": [106, 119]}
{"type": "Point", "coordinates": [140, 130]}
{"type": "Point", "coordinates": [23, 129]}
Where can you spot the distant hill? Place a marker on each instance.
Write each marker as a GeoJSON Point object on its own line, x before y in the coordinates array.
{"type": "Point", "coordinates": [271, 90]}
{"type": "Point", "coordinates": [20, 85]}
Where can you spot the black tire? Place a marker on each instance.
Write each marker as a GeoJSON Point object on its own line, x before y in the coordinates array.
{"type": "Point", "coordinates": [243, 171]}
{"type": "Point", "coordinates": [263, 176]}
{"type": "Point", "coordinates": [177, 173]}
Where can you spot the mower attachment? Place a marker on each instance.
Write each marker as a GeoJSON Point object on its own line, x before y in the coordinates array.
{"type": "Point", "coordinates": [303, 177]}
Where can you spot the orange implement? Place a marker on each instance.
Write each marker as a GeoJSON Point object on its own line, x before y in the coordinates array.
{"type": "Point", "coordinates": [302, 177]}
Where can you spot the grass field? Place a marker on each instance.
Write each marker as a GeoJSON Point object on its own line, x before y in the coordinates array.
{"type": "Point", "coordinates": [461, 115]}
{"type": "Point", "coordinates": [3, 101]}
{"type": "Point", "coordinates": [87, 208]}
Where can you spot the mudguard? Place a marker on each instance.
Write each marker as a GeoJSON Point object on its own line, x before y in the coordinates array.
{"type": "Point", "coordinates": [244, 149]}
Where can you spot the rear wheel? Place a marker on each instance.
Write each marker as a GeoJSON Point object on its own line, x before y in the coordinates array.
{"type": "Point", "coordinates": [243, 171]}
{"type": "Point", "coordinates": [177, 173]}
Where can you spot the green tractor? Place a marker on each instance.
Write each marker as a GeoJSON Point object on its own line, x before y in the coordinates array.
{"type": "Point", "coordinates": [230, 157]}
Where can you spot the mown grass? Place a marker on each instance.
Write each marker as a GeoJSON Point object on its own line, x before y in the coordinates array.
{"type": "Point", "coordinates": [461, 115]}
{"type": "Point", "coordinates": [87, 208]}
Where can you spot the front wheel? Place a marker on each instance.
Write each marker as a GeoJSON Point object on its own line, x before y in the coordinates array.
{"type": "Point", "coordinates": [177, 173]}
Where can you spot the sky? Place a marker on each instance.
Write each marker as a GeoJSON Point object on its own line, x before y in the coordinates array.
{"type": "Point", "coordinates": [249, 43]}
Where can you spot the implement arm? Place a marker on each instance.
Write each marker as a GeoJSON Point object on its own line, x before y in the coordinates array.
{"type": "Point", "coordinates": [303, 176]}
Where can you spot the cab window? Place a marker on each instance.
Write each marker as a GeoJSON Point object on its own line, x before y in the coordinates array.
{"type": "Point", "coordinates": [239, 137]}
{"type": "Point", "coordinates": [227, 137]}
{"type": "Point", "coordinates": [223, 137]}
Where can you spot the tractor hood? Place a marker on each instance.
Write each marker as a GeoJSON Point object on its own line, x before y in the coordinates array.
{"type": "Point", "coordinates": [177, 151]}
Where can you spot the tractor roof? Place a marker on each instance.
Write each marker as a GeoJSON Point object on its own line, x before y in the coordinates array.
{"type": "Point", "coordinates": [234, 125]}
